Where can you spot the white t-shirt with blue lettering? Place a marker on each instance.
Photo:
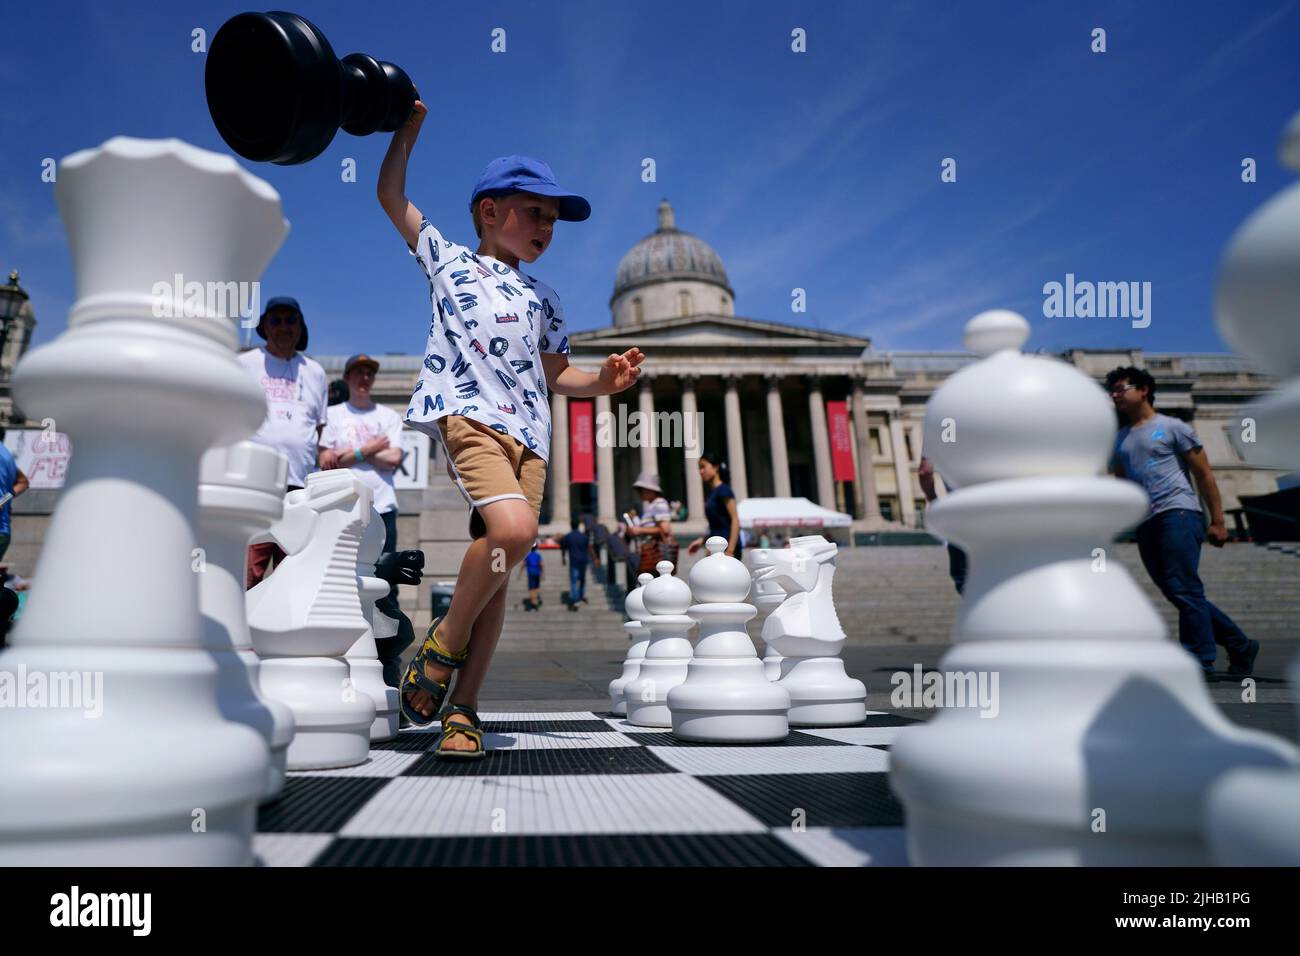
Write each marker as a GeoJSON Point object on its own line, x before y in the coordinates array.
{"type": "Point", "coordinates": [490, 324]}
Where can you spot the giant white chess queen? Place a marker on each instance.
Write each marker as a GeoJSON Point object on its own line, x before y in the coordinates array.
{"type": "Point", "coordinates": [1105, 739]}
{"type": "Point", "coordinates": [160, 777]}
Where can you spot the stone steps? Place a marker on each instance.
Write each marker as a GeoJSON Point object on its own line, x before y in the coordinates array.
{"type": "Point", "coordinates": [904, 595]}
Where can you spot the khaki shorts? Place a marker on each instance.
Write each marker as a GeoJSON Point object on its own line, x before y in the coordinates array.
{"type": "Point", "coordinates": [488, 466]}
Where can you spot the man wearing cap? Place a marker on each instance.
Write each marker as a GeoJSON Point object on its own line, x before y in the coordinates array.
{"type": "Point", "coordinates": [367, 438]}
{"type": "Point", "coordinates": [296, 399]}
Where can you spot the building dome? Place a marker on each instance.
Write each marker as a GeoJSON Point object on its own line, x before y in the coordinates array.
{"type": "Point", "coordinates": [669, 255]}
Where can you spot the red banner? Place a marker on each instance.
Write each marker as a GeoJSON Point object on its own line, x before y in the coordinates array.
{"type": "Point", "coordinates": [837, 420]}
{"type": "Point", "coordinates": [582, 442]}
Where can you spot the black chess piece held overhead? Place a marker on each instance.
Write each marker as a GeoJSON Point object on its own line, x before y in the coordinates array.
{"type": "Point", "coordinates": [278, 94]}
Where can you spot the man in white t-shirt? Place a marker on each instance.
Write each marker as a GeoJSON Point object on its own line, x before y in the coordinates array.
{"type": "Point", "coordinates": [296, 399]}
{"type": "Point", "coordinates": [367, 438]}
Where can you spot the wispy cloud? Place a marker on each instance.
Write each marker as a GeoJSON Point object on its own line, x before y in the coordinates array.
{"type": "Point", "coordinates": [1238, 50]}
{"type": "Point", "coordinates": [27, 229]}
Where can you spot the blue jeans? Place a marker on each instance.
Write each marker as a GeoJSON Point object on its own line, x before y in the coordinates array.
{"type": "Point", "coordinates": [577, 581]}
{"type": "Point", "coordinates": [1170, 545]}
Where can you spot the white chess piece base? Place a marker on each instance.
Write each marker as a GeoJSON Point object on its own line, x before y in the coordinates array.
{"type": "Point", "coordinates": [1027, 786]}
{"type": "Point", "coordinates": [281, 734]}
{"type": "Point", "coordinates": [821, 693]}
{"type": "Point", "coordinates": [631, 671]}
{"type": "Point", "coordinates": [772, 665]}
{"type": "Point", "coordinates": [726, 697]}
{"type": "Point", "coordinates": [368, 678]}
{"type": "Point", "coordinates": [333, 717]}
{"type": "Point", "coordinates": [1253, 815]}
{"type": "Point", "coordinates": [1255, 818]}
{"type": "Point", "coordinates": [728, 703]}
{"type": "Point", "coordinates": [125, 787]}
{"type": "Point", "coordinates": [647, 696]}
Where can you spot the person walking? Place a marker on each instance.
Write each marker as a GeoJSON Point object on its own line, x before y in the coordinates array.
{"type": "Point", "coordinates": [1159, 453]}
{"type": "Point", "coordinates": [720, 505]}
{"type": "Point", "coordinates": [576, 547]}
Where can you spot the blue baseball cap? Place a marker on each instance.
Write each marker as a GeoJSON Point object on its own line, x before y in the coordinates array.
{"type": "Point", "coordinates": [508, 174]}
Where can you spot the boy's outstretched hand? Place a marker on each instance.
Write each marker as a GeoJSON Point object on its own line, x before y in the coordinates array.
{"type": "Point", "coordinates": [619, 371]}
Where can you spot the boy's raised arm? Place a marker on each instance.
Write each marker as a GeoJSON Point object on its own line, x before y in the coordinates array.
{"type": "Point", "coordinates": [392, 177]}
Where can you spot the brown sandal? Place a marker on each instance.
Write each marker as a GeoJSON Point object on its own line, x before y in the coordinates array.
{"type": "Point", "coordinates": [472, 730]}
{"type": "Point", "coordinates": [416, 680]}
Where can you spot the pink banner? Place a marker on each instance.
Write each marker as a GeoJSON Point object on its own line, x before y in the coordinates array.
{"type": "Point", "coordinates": [582, 444]}
{"type": "Point", "coordinates": [837, 420]}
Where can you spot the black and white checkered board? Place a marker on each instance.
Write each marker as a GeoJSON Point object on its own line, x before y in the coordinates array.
{"type": "Point", "coordinates": [584, 789]}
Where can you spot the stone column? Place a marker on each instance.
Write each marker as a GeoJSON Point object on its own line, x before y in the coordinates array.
{"type": "Point", "coordinates": [821, 443]}
{"type": "Point", "coordinates": [649, 431]}
{"type": "Point", "coordinates": [776, 437]}
{"type": "Point", "coordinates": [694, 487]}
{"type": "Point", "coordinates": [866, 483]}
{"type": "Point", "coordinates": [735, 439]}
{"type": "Point", "coordinates": [604, 468]}
{"type": "Point", "coordinates": [902, 470]}
{"type": "Point", "coordinates": [559, 464]}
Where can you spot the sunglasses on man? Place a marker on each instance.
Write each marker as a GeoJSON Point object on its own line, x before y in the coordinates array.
{"type": "Point", "coordinates": [275, 320]}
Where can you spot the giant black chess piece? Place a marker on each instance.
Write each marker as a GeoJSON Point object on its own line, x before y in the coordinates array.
{"type": "Point", "coordinates": [278, 94]}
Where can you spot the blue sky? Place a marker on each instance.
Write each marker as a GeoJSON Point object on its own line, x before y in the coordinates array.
{"type": "Point", "coordinates": [817, 170]}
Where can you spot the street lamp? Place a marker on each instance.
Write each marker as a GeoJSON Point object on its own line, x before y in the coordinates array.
{"type": "Point", "coordinates": [12, 297]}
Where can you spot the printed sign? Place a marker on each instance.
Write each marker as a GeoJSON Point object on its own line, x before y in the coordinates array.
{"type": "Point", "coordinates": [41, 455]}
{"type": "Point", "coordinates": [413, 473]}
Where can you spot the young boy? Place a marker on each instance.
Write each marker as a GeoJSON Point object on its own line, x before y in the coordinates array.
{"type": "Point", "coordinates": [496, 345]}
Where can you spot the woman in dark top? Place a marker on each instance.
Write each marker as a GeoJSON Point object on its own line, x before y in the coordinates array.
{"type": "Point", "coordinates": [719, 506]}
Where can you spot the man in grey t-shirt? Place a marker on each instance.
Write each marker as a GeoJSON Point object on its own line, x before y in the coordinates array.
{"type": "Point", "coordinates": [1160, 453]}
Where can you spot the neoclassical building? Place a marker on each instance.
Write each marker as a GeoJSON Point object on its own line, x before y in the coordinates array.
{"type": "Point", "coordinates": [762, 387]}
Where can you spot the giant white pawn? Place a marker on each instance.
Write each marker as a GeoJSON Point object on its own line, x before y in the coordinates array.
{"type": "Point", "coordinates": [666, 659]}
{"type": "Point", "coordinates": [1104, 740]}
{"type": "Point", "coordinates": [122, 770]}
{"type": "Point", "coordinates": [241, 493]}
{"type": "Point", "coordinates": [640, 637]}
{"type": "Point", "coordinates": [305, 616]}
{"type": "Point", "coordinates": [1254, 814]}
{"type": "Point", "coordinates": [806, 631]}
{"type": "Point", "coordinates": [362, 657]}
{"type": "Point", "coordinates": [726, 697]}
